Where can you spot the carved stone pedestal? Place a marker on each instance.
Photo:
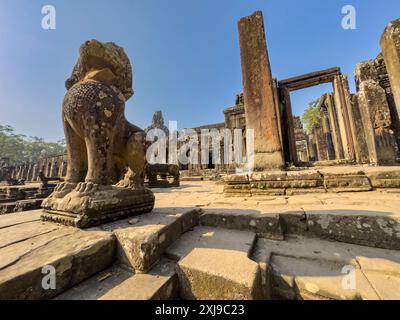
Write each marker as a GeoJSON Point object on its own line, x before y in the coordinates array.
{"type": "Point", "coordinates": [85, 209]}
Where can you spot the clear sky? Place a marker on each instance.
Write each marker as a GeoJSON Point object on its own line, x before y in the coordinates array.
{"type": "Point", "coordinates": [185, 53]}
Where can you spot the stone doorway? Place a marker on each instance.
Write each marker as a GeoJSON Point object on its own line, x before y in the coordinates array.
{"type": "Point", "coordinates": [334, 137]}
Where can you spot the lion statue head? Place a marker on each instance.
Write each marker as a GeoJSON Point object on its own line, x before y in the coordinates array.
{"type": "Point", "coordinates": [94, 54]}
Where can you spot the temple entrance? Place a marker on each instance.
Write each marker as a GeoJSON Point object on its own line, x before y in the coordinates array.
{"type": "Point", "coordinates": [329, 138]}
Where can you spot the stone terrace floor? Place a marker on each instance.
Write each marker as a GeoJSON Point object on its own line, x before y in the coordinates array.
{"type": "Point", "coordinates": [209, 195]}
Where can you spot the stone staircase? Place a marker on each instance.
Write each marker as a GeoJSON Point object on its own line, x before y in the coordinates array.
{"type": "Point", "coordinates": [192, 253]}
{"type": "Point", "coordinates": [245, 256]}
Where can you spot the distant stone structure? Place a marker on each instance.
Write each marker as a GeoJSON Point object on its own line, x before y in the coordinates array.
{"type": "Point", "coordinates": [101, 144]}
{"type": "Point", "coordinates": [162, 175]}
{"type": "Point", "coordinates": [301, 141]}
{"type": "Point", "coordinates": [158, 123]}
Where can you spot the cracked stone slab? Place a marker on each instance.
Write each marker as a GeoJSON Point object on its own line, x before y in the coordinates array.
{"type": "Point", "coordinates": [143, 240]}
{"type": "Point", "coordinates": [10, 220]}
{"type": "Point", "coordinates": [161, 283]}
{"type": "Point", "coordinates": [312, 249]}
{"type": "Point", "coordinates": [26, 231]}
{"type": "Point", "coordinates": [386, 285]}
{"type": "Point", "coordinates": [115, 283]}
{"type": "Point", "coordinates": [314, 269]}
{"type": "Point", "coordinates": [75, 255]}
{"type": "Point", "coordinates": [319, 279]}
{"type": "Point", "coordinates": [214, 264]}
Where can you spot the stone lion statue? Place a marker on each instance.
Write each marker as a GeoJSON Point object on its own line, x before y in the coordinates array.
{"type": "Point", "coordinates": [103, 148]}
{"type": "Point", "coordinates": [100, 141]}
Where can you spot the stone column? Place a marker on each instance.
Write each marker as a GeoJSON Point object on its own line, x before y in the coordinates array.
{"type": "Point", "coordinates": [48, 168]}
{"type": "Point", "coordinates": [333, 119]}
{"type": "Point", "coordinates": [384, 82]}
{"type": "Point", "coordinates": [260, 109]}
{"type": "Point", "coordinates": [35, 173]}
{"type": "Point", "coordinates": [29, 172]}
{"type": "Point", "coordinates": [287, 126]}
{"type": "Point", "coordinates": [343, 105]}
{"type": "Point", "coordinates": [322, 150]}
{"type": "Point", "coordinates": [24, 172]}
{"type": "Point", "coordinates": [327, 131]}
{"type": "Point", "coordinates": [311, 148]}
{"type": "Point", "coordinates": [376, 119]}
{"type": "Point", "coordinates": [362, 147]}
{"type": "Point", "coordinates": [390, 44]}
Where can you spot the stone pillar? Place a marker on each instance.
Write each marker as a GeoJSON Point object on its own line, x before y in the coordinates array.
{"type": "Point", "coordinates": [390, 44]}
{"type": "Point", "coordinates": [312, 148]}
{"type": "Point", "coordinates": [322, 150]}
{"type": "Point", "coordinates": [327, 131]}
{"type": "Point", "coordinates": [29, 172]}
{"type": "Point", "coordinates": [333, 119]}
{"type": "Point", "coordinates": [376, 119]}
{"type": "Point", "coordinates": [384, 82]}
{"type": "Point", "coordinates": [35, 172]}
{"type": "Point", "coordinates": [343, 105]}
{"type": "Point", "coordinates": [48, 168]}
{"type": "Point", "coordinates": [63, 169]}
{"type": "Point", "coordinates": [24, 172]}
{"type": "Point", "coordinates": [54, 169]}
{"type": "Point", "coordinates": [260, 109]}
{"type": "Point", "coordinates": [287, 127]}
{"type": "Point", "coordinates": [362, 147]}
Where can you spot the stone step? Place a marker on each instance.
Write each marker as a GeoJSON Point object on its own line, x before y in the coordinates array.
{"type": "Point", "coordinates": [161, 283]}
{"type": "Point", "coordinates": [313, 269]}
{"type": "Point", "coordinates": [214, 264]}
{"type": "Point", "coordinates": [142, 240]}
{"type": "Point", "coordinates": [349, 224]}
{"type": "Point", "coordinates": [30, 249]}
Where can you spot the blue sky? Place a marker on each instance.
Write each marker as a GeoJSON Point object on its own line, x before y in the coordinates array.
{"type": "Point", "coordinates": [185, 53]}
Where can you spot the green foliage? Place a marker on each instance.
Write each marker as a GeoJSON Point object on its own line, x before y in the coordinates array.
{"type": "Point", "coordinates": [311, 115]}
{"type": "Point", "coordinates": [19, 148]}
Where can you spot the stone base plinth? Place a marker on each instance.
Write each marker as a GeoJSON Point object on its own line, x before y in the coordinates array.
{"type": "Point", "coordinates": [289, 183]}
{"type": "Point", "coordinates": [102, 204]}
{"type": "Point", "coordinates": [273, 183]}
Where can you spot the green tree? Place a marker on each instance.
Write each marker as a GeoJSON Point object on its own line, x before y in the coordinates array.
{"type": "Point", "coordinates": [311, 115]}
{"type": "Point", "coordinates": [19, 148]}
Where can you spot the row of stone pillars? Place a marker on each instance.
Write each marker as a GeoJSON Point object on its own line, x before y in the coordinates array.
{"type": "Point", "coordinates": [356, 127]}
{"type": "Point", "coordinates": [52, 167]}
